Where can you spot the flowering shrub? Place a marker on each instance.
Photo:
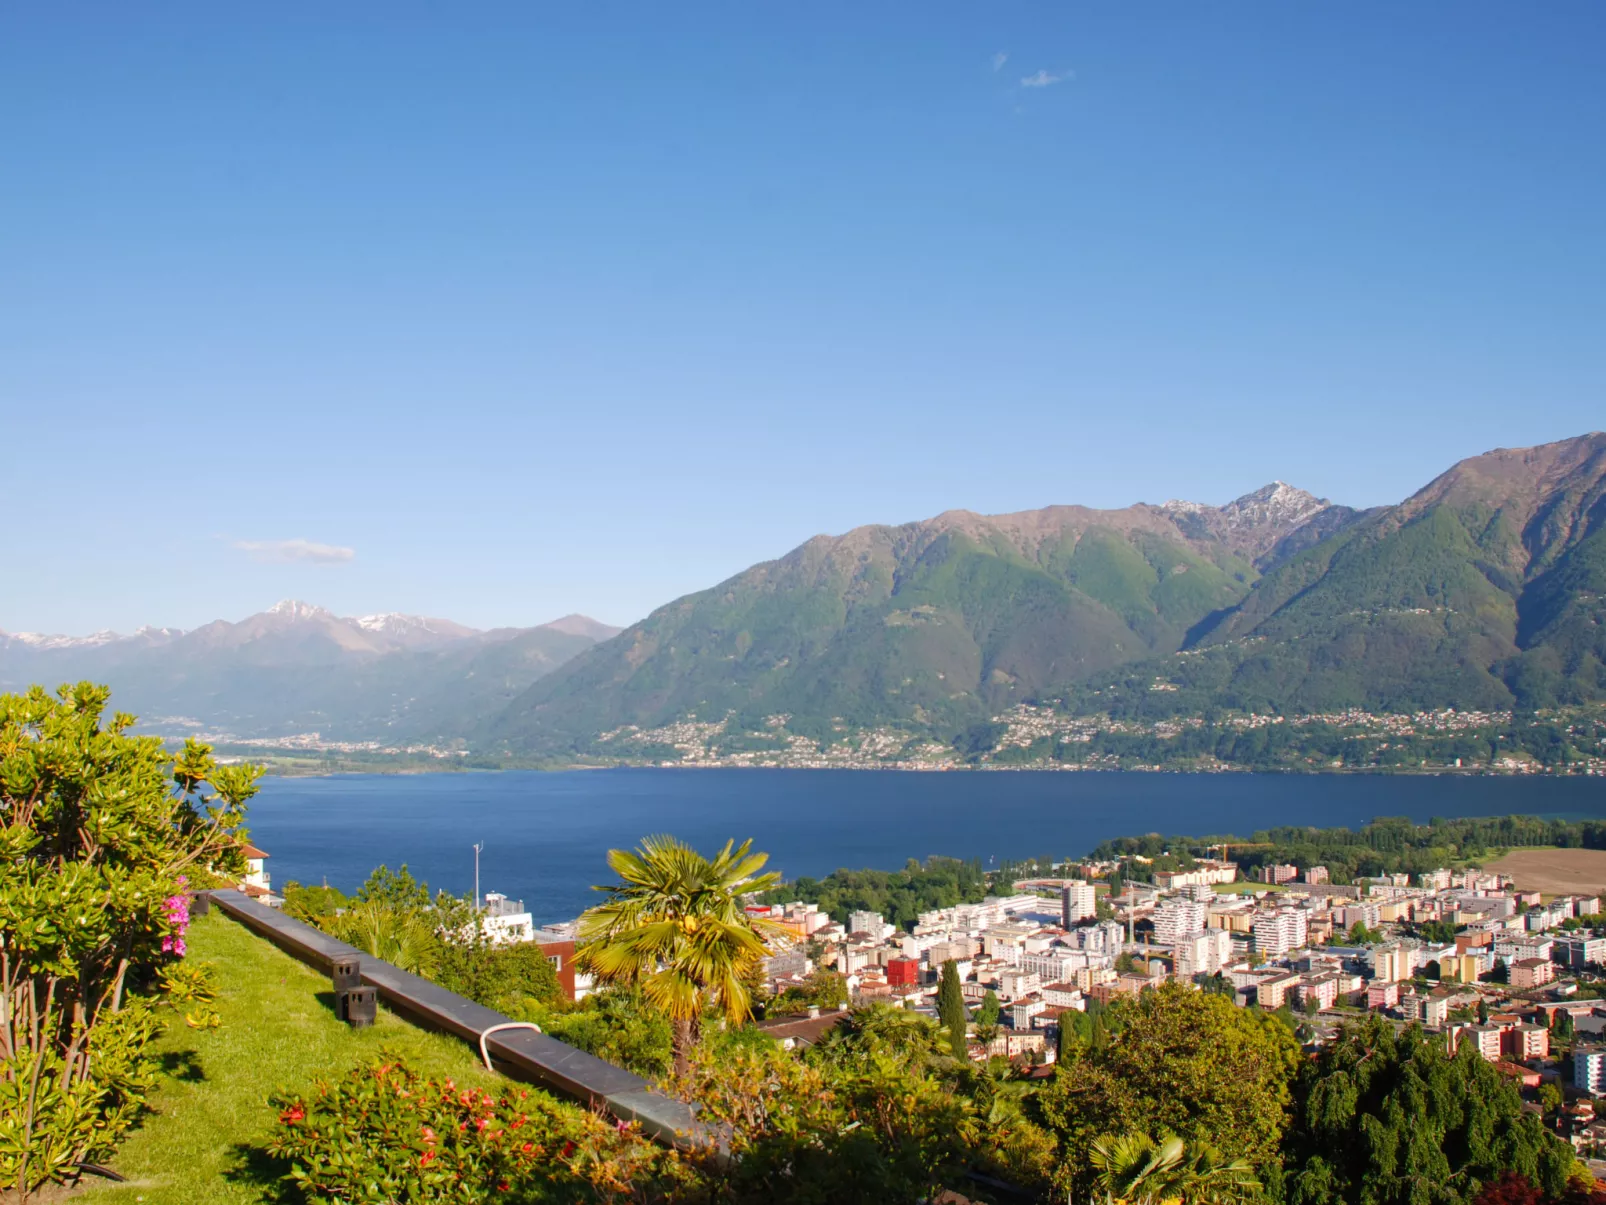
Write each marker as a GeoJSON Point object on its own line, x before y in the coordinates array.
{"type": "Point", "coordinates": [177, 909]}
{"type": "Point", "coordinates": [100, 832]}
{"type": "Point", "coordinates": [386, 1135]}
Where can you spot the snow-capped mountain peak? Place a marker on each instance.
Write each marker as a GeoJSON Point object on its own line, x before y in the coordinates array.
{"type": "Point", "coordinates": [1278, 502]}
{"type": "Point", "coordinates": [42, 640]}
{"type": "Point", "coordinates": [393, 623]}
{"type": "Point", "coordinates": [293, 609]}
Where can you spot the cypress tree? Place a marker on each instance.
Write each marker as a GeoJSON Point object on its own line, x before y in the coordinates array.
{"type": "Point", "coordinates": [951, 1009]}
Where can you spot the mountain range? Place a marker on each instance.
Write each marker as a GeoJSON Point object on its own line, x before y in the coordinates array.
{"type": "Point", "coordinates": [297, 668]}
{"type": "Point", "coordinates": [1486, 589]}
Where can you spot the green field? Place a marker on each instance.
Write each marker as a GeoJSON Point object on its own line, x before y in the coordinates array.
{"type": "Point", "coordinates": [201, 1142]}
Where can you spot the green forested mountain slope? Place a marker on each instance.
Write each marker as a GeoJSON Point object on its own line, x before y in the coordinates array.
{"type": "Point", "coordinates": [1486, 589]}
{"type": "Point", "coordinates": [934, 624]}
{"type": "Point", "coordinates": [1483, 590]}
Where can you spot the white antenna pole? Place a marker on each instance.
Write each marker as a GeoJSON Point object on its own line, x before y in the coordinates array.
{"type": "Point", "coordinates": [477, 847]}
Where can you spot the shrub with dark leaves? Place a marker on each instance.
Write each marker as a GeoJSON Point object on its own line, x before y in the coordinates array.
{"type": "Point", "coordinates": [386, 1135]}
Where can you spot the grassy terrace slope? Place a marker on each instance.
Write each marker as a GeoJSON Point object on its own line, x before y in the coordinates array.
{"type": "Point", "coordinates": [201, 1144]}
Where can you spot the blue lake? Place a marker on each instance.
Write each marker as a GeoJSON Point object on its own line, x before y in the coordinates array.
{"type": "Point", "coordinates": [545, 834]}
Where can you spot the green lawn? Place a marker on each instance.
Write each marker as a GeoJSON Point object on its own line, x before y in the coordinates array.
{"type": "Point", "coordinates": [1250, 887]}
{"type": "Point", "coordinates": [200, 1145]}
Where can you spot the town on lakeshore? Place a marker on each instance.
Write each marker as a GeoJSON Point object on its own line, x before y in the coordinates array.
{"type": "Point", "coordinates": [1520, 975]}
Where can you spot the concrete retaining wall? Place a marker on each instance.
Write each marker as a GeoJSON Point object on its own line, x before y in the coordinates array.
{"type": "Point", "coordinates": [522, 1054]}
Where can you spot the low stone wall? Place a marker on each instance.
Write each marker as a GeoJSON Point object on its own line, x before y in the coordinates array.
{"type": "Point", "coordinates": [522, 1054]}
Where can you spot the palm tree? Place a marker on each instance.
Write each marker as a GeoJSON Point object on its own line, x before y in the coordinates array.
{"type": "Point", "coordinates": [402, 937]}
{"type": "Point", "coordinates": [1133, 1168]}
{"type": "Point", "coordinates": [1137, 1170]}
{"type": "Point", "coordinates": [1208, 1178]}
{"type": "Point", "coordinates": [675, 927]}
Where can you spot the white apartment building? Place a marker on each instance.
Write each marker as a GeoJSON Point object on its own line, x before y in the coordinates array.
{"type": "Point", "coordinates": [1078, 902]}
{"type": "Point", "coordinates": [1589, 1070]}
{"type": "Point", "coordinates": [869, 922]}
{"type": "Point", "coordinates": [1278, 932]}
{"type": "Point", "coordinates": [1059, 964]}
{"type": "Point", "coordinates": [1106, 937]}
{"type": "Point", "coordinates": [1201, 952]}
{"type": "Point", "coordinates": [1023, 1010]}
{"type": "Point", "coordinates": [1177, 915]}
{"type": "Point", "coordinates": [1013, 984]}
{"type": "Point", "coordinates": [1063, 995]}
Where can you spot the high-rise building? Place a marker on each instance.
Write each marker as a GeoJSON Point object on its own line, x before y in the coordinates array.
{"type": "Point", "coordinates": [1078, 902]}
{"type": "Point", "coordinates": [1278, 932]}
{"type": "Point", "coordinates": [1106, 937]}
{"type": "Point", "coordinates": [866, 922]}
{"type": "Point", "coordinates": [1589, 1070]}
{"type": "Point", "coordinates": [1201, 952]}
{"type": "Point", "coordinates": [1178, 915]}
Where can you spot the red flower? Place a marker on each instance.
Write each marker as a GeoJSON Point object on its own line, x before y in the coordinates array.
{"type": "Point", "coordinates": [527, 1147]}
{"type": "Point", "coordinates": [429, 1134]}
{"type": "Point", "coordinates": [292, 1115]}
{"type": "Point", "coordinates": [568, 1149]}
{"type": "Point", "coordinates": [426, 1158]}
{"type": "Point", "coordinates": [502, 1187]}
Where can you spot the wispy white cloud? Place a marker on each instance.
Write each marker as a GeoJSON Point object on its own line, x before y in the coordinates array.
{"type": "Point", "coordinates": [1044, 79]}
{"type": "Point", "coordinates": [280, 551]}
{"type": "Point", "coordinates": [1000, 59]}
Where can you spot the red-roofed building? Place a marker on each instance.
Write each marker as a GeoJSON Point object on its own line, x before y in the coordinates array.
{"type": "Point", "coordinates": [257, 883]}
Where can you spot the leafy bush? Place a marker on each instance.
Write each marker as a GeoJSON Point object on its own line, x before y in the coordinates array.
{"type": "Point", "coordinates": [1178, 1062]}
{"type": "Point", "coordinates": [1379, 1112]}
{"type": "Point", "coordinates": [616, 1025]}
{"type": "Point", "coordinates": [101, 836]}
{"type": "Point", "coordinates": [386, 1135]}
{"type": "Point", "coordinates": [860, 1124]}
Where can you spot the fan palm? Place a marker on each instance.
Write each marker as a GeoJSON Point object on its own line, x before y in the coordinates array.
{"type": "Point", "coordinates": [402, 937]}
{"type": "Point", "coordinates": [675, 926]}
{"type": "Point", "coordinates": [1137, 1170]}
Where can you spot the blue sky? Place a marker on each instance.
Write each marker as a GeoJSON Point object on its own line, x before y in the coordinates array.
{"type": "Point", "coordinates": [538, 308]}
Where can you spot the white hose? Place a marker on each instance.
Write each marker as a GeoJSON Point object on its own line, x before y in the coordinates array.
{"type": "Point", "coordinates": [486, 1054]}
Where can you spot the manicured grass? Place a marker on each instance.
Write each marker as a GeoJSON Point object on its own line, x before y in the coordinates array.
{"type": "Point", "coordinates": [201, 1143]}
{"type": "Point", "coordinates": [1250, 887]}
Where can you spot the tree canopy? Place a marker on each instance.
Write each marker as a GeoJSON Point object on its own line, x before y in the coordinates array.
{"type": "Point", "coordinates": [1390, 1118]}
{"type": "Point", "coordinates": [1176, 1062]}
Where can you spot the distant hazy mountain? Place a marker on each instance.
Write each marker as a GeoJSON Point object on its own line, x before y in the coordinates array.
{"type": "Point", "coordinates": [1487, 587]}
{"type": "Point", "coordinates": [298, 668]}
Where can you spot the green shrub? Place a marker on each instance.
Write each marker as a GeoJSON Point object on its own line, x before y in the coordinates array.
{"type": "Point", "coordinates": [386, 1135]}
{"type": "Point", "coordinates": [102, 835]}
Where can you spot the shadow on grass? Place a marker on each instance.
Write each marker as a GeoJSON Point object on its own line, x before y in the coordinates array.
{"type": "Point", "coordinates": [183, 1065]}
{"type": "Point", "coordinates": [327, 999]}
{"type": "Point", "coordinates": [268, 1174]}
